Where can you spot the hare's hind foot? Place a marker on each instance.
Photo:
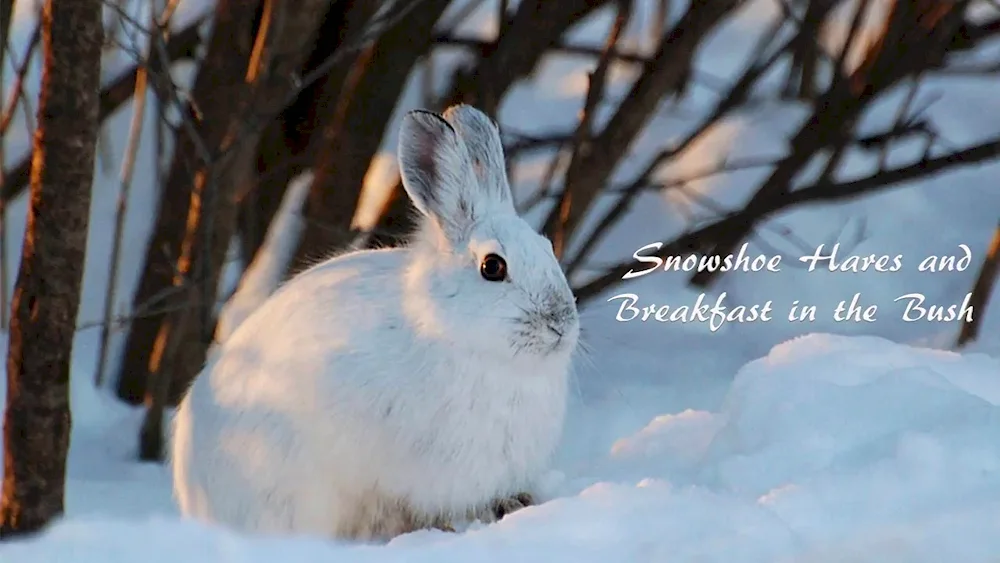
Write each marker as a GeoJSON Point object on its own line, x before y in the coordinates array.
{"type": "Point", "coordinates": [379, 518]}
{"type": "Point", "coordinates": [508, 505]}
{"type": "Point", "coordinates": [403, 520]}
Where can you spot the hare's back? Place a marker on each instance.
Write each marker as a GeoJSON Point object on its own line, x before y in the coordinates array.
{"type": "Point", "coordinates": [334, 313]}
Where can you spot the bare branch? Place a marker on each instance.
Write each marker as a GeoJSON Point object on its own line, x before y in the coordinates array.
{"type": "Point", "coordinates": [981, 291]}
{"type": "Point", "coordinates": [915, 37]}
{"type": "Point", "coordinates": [806, 49]}
{"type": "Point", "coordinates": [18, 94]}
{"type": "Point", "coordinates": [667, 74]}
{"type": "Point", "coordinates": [536, 26]}
{"type": "Point", "coordinates": [583, 137]}
{"type": "Point", "coordinates": [483, 47]}
{"type": "Point", "coordinates": [763, 207]}
{"type": "Point", "coordinates": [6, 16]}
{"type": "Point", "coordinates": [736, 95]}
{"type": "Point", "coordinates": [859, 15]}
{"type": "Point", "coordinates": [180, 46]}
{"type": "Point", "coordinates": [127, 172]}
{"type": "Point", "coordinates": [643, 182]}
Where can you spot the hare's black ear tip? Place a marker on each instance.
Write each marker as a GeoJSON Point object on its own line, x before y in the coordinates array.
{"type": "Point", "coordinates": [417, 113]}
{"type": "Point", "coordinates": [426, 118]}
{"type": "Point", "coordinates": [422, 116]}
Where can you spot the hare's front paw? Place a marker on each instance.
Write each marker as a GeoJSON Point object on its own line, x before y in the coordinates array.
{"type": "Point", "coordinates": [504, 506]}
{"type": "Point", "coordinates": [444, 526]}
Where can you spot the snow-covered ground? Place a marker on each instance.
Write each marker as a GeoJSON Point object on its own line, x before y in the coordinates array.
{"type": "Point", "coordinates": [830, 448]}
{"type": "Point", "coordinates": [749, 443]}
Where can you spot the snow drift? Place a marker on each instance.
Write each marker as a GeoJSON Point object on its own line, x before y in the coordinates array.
{"type": "Point", "coordinates": [830, 448]}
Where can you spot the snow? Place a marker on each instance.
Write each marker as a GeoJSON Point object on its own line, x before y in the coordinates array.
{"type": "Point", "coordinates": [829, 448]}
{"type": "Point", "coordinates": [777, 441]}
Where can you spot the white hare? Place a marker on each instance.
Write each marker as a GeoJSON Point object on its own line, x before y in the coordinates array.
{"type": "Point", "coordinates": [384, 391]}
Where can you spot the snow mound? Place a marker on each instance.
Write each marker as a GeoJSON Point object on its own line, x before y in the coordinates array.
{"type": "Point", "coordinates": [861, 447]}
{"type": "Point", "coordinates": [830, 448]}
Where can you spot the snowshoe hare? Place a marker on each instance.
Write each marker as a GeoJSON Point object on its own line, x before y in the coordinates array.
{"type": "Point", "coordinates": [385, 391]}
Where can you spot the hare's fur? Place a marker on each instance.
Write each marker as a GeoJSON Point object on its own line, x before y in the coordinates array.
{"type": "Point", "coordinates": [385, 391]}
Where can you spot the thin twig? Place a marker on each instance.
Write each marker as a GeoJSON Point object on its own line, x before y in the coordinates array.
{"type": "Point", "coordinates": [981, 291]}
{"type": "Point", "coordinates": [18, 95]}
{"type": "Point", "coordinates": [6, 17]}
{"type": "Point", "coordinates": [642, 182]}
{"type": "Point", "coordinates": [548, 179]}
{"type": "Point", "coordinates": [255, 123]}
{"type": "Point", "coordinates": [915, 36]}
{"type": "Point", "coordinates": [481, 46]}
{"type": "Point", "coordinates": [740, 91]}
{"type": "Point", "coordinates": [581, 145]}
{"type": "Point", "coordinates": [127, 172]}
{"type": "Point", "coordinates": [737, 94]}
{"type": "Point", "coordinates": [116, 93]}
{"type": "Point", "coordinates": [659, 23]}
{"type": "Point", "coordinates": [902, 116]}
{"type": "Point", "coordinates": [667, 75]}
{"type": "Point", "coordinates": [6, 13]}
{"type": "Point", "coordinates": [840, 68]}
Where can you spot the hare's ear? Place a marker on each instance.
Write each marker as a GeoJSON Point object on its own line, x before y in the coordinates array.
{"type": "Point", "coordinates": [482, 137]}
{"type": "Point", "coordinates": [437, 172]}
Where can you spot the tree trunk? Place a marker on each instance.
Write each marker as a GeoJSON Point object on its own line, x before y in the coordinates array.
{"type": "Point", "coordinates": [353, 134]}
{"type": "Point", "coordinates": [280, 157]}
{"type": "Point", "coordinates": [289, 145]}
{"type": "Point", "coordinates": [47, 294]}
{"type": "Point", "coordinates": [219, 85]}
{"type": "Point", "coordinates": [280, 48]}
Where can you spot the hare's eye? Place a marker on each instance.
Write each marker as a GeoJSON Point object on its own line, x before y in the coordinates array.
{"type": "Point", "coordinates": [493, 268]}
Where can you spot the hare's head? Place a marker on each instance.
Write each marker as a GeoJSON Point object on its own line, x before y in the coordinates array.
{"type": "Point", "coordinates": [490, 281]}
